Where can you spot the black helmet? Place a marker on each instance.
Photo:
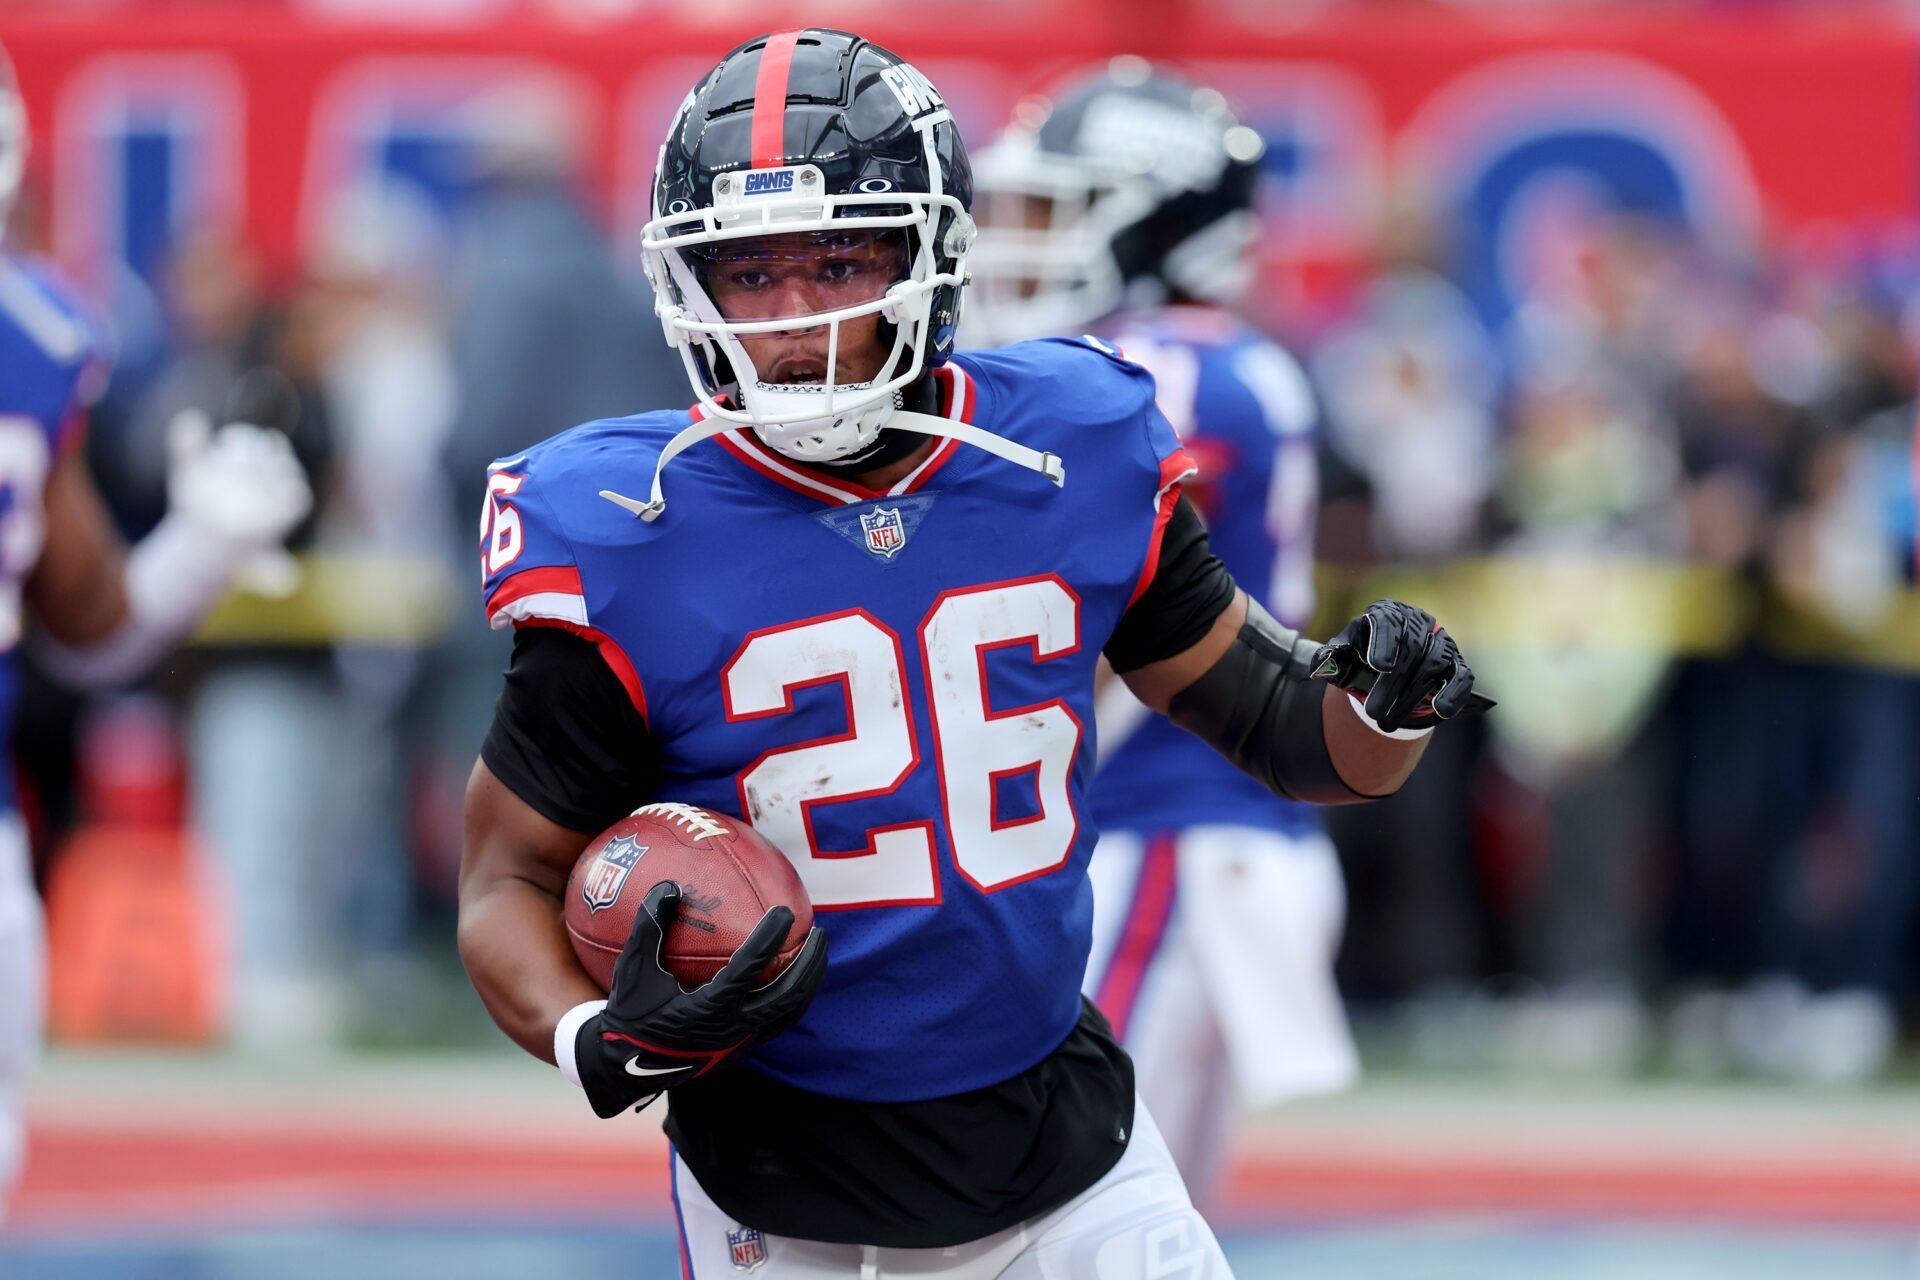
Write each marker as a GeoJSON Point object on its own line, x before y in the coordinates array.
{"type": "Point", "coordinates": [816, 135]}
{"type": "Point", "coordinates": [1128, 187]}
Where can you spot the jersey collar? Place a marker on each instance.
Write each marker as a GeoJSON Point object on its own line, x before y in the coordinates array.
{"type": "Point", "coordinates": [956, 402]}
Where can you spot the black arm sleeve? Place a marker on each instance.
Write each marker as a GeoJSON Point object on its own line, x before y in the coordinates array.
{"type": "Point", "coordinates": [1190, 589]}
{"type": "Point", "coordinates": [566, 738]}
{"type": "Point", "coordinates": [1259, 706]}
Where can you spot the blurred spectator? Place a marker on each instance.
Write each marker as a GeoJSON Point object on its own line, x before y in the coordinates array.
{"type": "Point", "coordinates": [1410, 381]}
{"type": "Point", "coordinates": [547, 334]}
{"type": "Point", "coordinates": [257, 735]}
{"type": "Point", "coordinates": [388, 378]}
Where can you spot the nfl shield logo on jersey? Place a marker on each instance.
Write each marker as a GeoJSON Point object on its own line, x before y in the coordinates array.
{"type": "Point", "coordinates": [601, 885]}
{"type": "Point", "coordinates": [746, 1249]}
{"type": "Point", "coordinates": [886, 532]}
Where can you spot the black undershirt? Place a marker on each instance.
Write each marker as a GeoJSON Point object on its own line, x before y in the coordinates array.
{"type": "Point", "coordinates": [567, 740]}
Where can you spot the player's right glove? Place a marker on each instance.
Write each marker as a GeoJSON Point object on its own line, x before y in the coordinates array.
{"type": "Point", "coordinates": [1402, 664]}
{"type": "Point", "coordinates": [653, 1035]}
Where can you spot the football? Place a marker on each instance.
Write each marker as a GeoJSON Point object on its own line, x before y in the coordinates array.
{"type": "Point", "coordinates": [728, 876]}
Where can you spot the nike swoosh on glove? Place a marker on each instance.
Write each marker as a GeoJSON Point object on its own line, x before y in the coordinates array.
{"type": "Point", "coordinates": [1404, 663]}
{"type": "Point", "coordinates": [654, 1035]}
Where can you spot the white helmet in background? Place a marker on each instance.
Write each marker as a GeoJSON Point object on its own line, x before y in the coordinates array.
{"type": "Point", "coordinates": [1131, 186]}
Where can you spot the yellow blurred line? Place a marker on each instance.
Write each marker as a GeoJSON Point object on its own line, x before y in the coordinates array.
{"type": "Point", "coordinates": [1547, 601]}
{"type": "Point", "coordinates": [343, 598]}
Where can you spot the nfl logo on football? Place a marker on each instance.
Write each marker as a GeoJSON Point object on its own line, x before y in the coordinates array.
{"type": "Point", "coordinates": [886, 531]}
{"type": "Point", "coordinates": [601, 885]}
{"type": "Point", "coordinates": [746, 1248]}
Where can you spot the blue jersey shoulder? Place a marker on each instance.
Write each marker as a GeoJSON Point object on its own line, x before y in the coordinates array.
{"type": "Point", "coordinates": [1081, 399]}
{"type": "Point", "coordinates": [1073, 381]}
{"type": "Point", "coordinates": [543, 505]}
{"type": "Point", "coordinates": [50, 359]}
{"type": "Point", "coordinates": [577, 451]}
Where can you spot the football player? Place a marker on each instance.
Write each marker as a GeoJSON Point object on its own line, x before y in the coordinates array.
{"type": "Point", "coordinates": [1124, 203]}
{"type": "Point", "coordinates": [103, 614]}
{"type": "Point", "coordinates": [856, 595]}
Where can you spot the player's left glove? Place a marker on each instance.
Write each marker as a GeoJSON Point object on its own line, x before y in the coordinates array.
{"type": "Point", "coordinates": [1405, 665]}
{"type": "Point", "coordinates": [652, 1035]}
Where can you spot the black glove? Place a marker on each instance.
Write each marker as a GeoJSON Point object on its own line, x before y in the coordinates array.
{"type": "Point", "coordinates": [1406, 664]}
{"type": "Point", "coordinates": [653, 1035]}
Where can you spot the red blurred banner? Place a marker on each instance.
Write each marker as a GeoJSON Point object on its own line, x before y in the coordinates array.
{"type": "Point", "coordinates": [1734, 123]}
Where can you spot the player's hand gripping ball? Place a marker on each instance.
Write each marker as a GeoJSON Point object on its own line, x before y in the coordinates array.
{"type": "Point", "coordinates": [702, 936]}
{"type": "Point", "coordinates": [728, 876]}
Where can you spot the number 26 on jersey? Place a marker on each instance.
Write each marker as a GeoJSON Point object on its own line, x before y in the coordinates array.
{"type": "Point", "coordinates": [975, 748]}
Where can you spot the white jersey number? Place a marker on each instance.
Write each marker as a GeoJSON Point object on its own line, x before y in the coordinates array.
{"type": "Point", "coordinates": [500, 537]}
{"type": "Point", "coordinates": [976, 747]}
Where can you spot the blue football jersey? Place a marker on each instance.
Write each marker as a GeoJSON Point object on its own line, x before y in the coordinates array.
{"type": "Point", "coordinates": [895, 688]}
{"type": "Point", "coordinates": [48, 369]}
{"type": "Point", "coordinates": [1244, 411]}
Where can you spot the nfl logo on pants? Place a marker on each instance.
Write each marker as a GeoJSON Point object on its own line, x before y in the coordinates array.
{"type": "Point", "coordinates": [746, 1248]}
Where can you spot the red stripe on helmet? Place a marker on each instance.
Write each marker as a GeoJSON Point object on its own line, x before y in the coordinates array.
{"type": "Point", "coordinates": [770, 99]}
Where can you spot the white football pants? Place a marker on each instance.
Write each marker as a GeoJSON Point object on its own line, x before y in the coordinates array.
{"type": "Point", "coordinates": [1213, 952]}
{"type": "Point", "coordinates": [22, 966]}
{"type": "Point", "coordinates": [1136, 1223]}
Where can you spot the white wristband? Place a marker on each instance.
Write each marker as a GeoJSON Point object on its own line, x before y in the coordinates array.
{"type": "Point", "coordinates": [1401, 735]}
{"type": "Point", "coordinates": [565, 1033]}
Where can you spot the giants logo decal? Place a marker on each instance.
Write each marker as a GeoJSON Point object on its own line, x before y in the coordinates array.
{"type": "Point", "coordinates": [916, 93]}
{"type": "Point", "coordinates": [769, 182]}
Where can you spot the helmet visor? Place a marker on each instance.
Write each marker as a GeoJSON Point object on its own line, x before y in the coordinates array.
{"type": "Point", "coordinates": [803, 274]}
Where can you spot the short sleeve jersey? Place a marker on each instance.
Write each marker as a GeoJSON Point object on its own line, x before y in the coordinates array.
{"type": "Point", "coordinates": [1245, 413]}
{"type": "Point", "coordinates": [895, 687]}
{"type": "Point", "coordinates": [49, 370]}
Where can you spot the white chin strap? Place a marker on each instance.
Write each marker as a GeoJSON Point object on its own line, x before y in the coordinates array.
{"type": "Point", "coordinates": [825, 437]}
{"type": "Point", "coordinates": [925, 424]}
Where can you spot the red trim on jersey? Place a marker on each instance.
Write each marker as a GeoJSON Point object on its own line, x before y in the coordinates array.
{"type": "Point", "coordinates": [1174, 468]}
{"type": "Point", "coordinates": [769, 143]}
{"type": "Point", "coordinates": [750, 449]}
{"type": "Point", "coordinates": [1031, 643]}
{"type": "Point", "coordinates": [844, 680]}
{"type": "Point", "coordinates": [994, 779]}
{"type": "Point", "coordinates": [939, 458]}
{"type": "Point", "coordinates": [1141, 934]}
{"type": "Point", "coordinates": [610, 652]}
{"type": "Point", "coordinates": [744, 445]}
{"type": "Point", "coordinates": [559, 579]}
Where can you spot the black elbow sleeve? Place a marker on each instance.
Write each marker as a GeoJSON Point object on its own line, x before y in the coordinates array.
{"type": "Point", "coordinates": [1259, 707]}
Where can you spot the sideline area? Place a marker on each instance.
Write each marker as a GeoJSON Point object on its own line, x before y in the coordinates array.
{"type": "Point", "coordinates": [164, 1167]}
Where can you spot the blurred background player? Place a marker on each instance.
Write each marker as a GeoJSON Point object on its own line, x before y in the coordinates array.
{"type": "Point", "coordinates": [1124, 205]}
{"type": "Point", "coordinates": [103, 614]}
